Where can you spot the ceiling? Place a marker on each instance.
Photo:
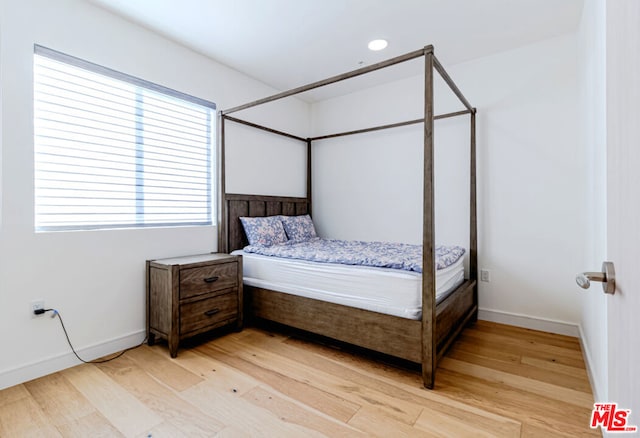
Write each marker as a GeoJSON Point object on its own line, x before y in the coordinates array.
{"type": "Point", "coordinates": [289, 43]}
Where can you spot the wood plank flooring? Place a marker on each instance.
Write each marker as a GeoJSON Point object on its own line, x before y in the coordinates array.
{"type": "Point", "coordinates": [496, 380]}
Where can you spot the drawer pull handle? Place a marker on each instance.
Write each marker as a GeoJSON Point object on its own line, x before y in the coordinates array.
{"type": "Point", "coordinates": [211, 279]}
{"type": "Point", "coordinates": [211, 312]}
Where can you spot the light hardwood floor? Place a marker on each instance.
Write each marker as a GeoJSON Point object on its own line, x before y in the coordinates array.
{"type": "Point", "coordinates": [496, 380]}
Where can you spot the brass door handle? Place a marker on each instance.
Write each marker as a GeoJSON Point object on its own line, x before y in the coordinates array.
{"type": "Point", "coordinates": [607, 277]}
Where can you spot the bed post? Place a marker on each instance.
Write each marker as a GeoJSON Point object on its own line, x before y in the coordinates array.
{"type": "Point", "coordinates": [473, 219]}
{"type": "Point", "coordinates": [309, 176]}
{"type": "Point", "coordinates": [222, 210]}
{"type": "Point", "coordinates": [429, 354]}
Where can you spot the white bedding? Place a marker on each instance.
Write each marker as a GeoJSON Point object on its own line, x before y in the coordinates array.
{"type": "Point", "coordinates": [390, 291]}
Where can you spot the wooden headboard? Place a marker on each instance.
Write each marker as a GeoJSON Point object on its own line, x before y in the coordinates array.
{"type": "Point", "coordinates": [238, 205]}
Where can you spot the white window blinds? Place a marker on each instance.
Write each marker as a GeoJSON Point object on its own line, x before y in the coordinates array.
{"type": "Point", "coordinates": [114, 151]}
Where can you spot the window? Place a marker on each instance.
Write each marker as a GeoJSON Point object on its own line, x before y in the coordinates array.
{"type": "Point", "coordinates": [114, 151]}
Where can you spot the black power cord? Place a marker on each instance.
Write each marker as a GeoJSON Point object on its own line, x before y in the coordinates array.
{"type": "Point", "coordinates": [64, 329]}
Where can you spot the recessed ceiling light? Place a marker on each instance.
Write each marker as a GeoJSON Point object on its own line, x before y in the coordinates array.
{"type": "Point", "coordinates": [376, 45]}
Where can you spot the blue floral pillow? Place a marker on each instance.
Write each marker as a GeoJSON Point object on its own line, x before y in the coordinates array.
{"type": "Point", "coordinates": [264, 231]}
{"type": "Point", "coordinates": [299, 228]}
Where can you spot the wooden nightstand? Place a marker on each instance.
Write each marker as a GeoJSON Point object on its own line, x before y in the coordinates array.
{"type": "Point", "coordinates": [191, 295]}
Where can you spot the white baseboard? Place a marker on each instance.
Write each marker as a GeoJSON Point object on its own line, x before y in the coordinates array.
{"type": "Point", "coordinates": [596, 387]}
{"type": "Point", "coordinates": [530, 322]}
{"type": "Point", "coordinates": [63, 361]}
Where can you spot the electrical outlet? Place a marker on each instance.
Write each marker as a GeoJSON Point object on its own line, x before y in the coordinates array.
{"type": "Point", "coordinates": [484, 275]}
{"type": "Point", "coordinates": [36, 305]}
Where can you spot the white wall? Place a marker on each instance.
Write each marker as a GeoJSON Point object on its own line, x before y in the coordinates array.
{"type": "Point", "coordinates": [531, 174]}
{"type": "Point", "coordinates": [378, 175]}
{"type": "Point", "coordinates": [593, 323]}
{"type": "Point", "coordinates": [96, 278]}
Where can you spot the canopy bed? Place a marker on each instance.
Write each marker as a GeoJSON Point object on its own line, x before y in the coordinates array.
{"type": "Point", "coordinates": [421, 337]}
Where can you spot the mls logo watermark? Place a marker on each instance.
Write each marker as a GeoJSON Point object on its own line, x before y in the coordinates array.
{"type": "Point", "coordinates": [610, 418]}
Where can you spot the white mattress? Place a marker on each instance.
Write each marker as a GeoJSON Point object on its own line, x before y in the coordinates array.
{"type": "Point", "coordinates": [390, 291]}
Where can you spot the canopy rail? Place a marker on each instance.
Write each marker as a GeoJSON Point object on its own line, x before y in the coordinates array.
{"type": "Point", "coordinates": [342, 134]}
{"type": "Point", "coordinates": [391, 125]}
{"type": "Point", "coordinates": [444, 75]}
{"type": "Point", "coordinates": [264, 128]}
{"type": "Point", "coordinates": [436, 65]}
{"type": "Point", "coordinates": [389, 62]}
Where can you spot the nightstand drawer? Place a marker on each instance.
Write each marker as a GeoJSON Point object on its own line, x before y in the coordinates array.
{"type": "Point", "coordinates": [196, 281]}
{"type": "Point", "coordinates": [208, 312]}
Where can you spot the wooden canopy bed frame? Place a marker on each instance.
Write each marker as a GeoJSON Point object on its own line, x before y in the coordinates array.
{"type": "Point", "coordinates": [422, 341]}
